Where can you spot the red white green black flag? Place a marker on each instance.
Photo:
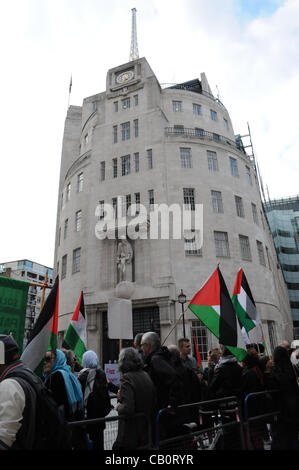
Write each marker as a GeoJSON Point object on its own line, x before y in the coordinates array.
{"type": "Point", "coordinates": [213, 306]}
{"type": "Point", "coordinates": [245, 308]}
{"type": "Point", "coordinates": [75, 337]}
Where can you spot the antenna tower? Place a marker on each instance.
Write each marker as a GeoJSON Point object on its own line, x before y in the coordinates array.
{"type": "Point", "coordinates": [134, 54]}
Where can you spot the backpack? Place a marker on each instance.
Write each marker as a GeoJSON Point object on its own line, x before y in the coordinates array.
{"type": "Point", "coordinates": [98, 403]}
{"type": "Point", "coordinates": [43, 426]}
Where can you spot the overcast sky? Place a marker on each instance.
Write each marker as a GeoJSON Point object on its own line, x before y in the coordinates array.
{"type": "Point", "coordinates": [247, 48]}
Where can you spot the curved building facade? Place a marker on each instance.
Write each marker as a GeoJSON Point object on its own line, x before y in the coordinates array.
{"type": "Point", "coordinates": [153, 145]}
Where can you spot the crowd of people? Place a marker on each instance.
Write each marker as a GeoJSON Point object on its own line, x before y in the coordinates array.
{"type": "Point", "coordinates": [153, 377]}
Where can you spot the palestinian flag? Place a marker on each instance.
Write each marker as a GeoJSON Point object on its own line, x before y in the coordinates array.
{"type": "Point", "coordinates": [213, 306]}
{"type": "Point", "coordinates": [75, 337]}
{"type": "Point", "coordinates": [245, 308]}
{"type": "Point", "coordinates": [44, 334]}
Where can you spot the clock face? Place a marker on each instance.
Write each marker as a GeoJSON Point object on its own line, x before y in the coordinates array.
{"type": "Point", "coordinates": [125, 76]}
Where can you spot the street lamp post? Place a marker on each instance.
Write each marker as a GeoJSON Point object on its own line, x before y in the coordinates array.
{"type": "Point", "coordinates": [182, 301]}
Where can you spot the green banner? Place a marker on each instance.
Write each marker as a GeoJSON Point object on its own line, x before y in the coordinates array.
{"type": "Point", "coordinates": [13, 305]}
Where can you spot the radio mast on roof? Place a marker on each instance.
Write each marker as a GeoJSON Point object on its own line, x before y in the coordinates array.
{"type": "Point", "coordinates": [134, 54]}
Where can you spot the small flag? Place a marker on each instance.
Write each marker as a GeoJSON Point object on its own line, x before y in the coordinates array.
{"type": "Point", "coordinates": [197, 353]}
{"type": "Point", "coordinates": [245, 308]}
{"type": "Point", "coordinates": [75, 337]}
{"type": "Point", "coordinates": [71, 83]}
{"type": "Point", "coordinates": [44, 332]}
{"type": "Point", "coordinates": [213, 306]}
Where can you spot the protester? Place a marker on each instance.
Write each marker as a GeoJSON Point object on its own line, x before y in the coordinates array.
{"type": "Point", "coordinates": [137, 395]}
{"type": "Point", "coordinates": [191, 387]}
{"type": "Point", "coordinates": [185, 350]}
{"type": "Point", "coordinates": [29, 417]}
{"type": "Point", "coordinates": [227, 376]}
{"type": "Point", "coordinates": [213, 358]}
{"type": "Point", "coordinates": [70, 358]}
{"type": "Point", "coordinates": [137, 343]}
{"type": "Point", "coordinates": [96, 397]}
{"type": "Point", "coordinates": [252, 382]}
{"type": "Point", "coordinates": [285, 431]}
{"type": "Point", "coordinates": [12, 396]}
{"type": "Point", "coordinates": [166, 381]}
{"type": "Point", "coordinates": [67, 392]}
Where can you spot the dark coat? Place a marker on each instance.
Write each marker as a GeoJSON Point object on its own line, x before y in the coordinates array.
{"type": "Point", "coordinates": [93, 409]}
{"type": "Point", "coordinates": [137, 395]}
{"type": "Point", "coordinates": [165, 378]}
{"type": "Point", "coordinates": [226, 380]}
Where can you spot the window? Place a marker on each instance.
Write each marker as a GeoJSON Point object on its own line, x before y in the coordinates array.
{"type": "Point", "coordinates": [233, 166]}
{"type": "Point", "coordinates": [80, 183]}
{"type": "Point", "coordinates": [254, 214]}
{"type": "Point", "coordinates": [128, 202]}
{"type": "Point", "coordinates": [114, 205]}
{"type": "Point", "coordinates": [136, 162]}
{"type": "Point", "coordinates": [189, 200]}
{"type": "Point", "coordinates": [62, 201]}
{"type": "Point", "coordinates": [86, 139]}
{"type": "Point", "coordinates": [196, 109]}
{"type": "Point", "coordinates": [63, 266]}
{"type": "Point", "coordinates": [137, 202]}
{"type": "Point", "coordinates": [149, 159]}
{"type": "Point", "coordinates": [199, 330]}
{"type": "Point", "coordinates": [101, 204]}
{"type": "Point", "coordinates": [248, 175]}
{"type": "Point", "coordinates": [225, 123]}
{"type": "Point", "coordinates": [151, 198]}
{"type": "Point", "coordinates": [217, 201]}
{"type": "Point", "coordinates": [115, 106]}
{"type": "Point", "coordinates": [136, 100]}
{"type": "Point", "coordinates": [213, 115]}
{"type": "Point", "coordinates": [68, 192]}
{"type": "Point", "coordinates": [102, 171]}
{"type": "Point", "coordinates": [76, 260]}
{"type": "Point", "coordinates": [66, 223]}
{"type": "Point", "coordinates": [94, 106]}
{"type": "Point", "coordinates": [78, 219]}
{"type": "Point", "coordinates": [245, 247]}
{"type": "Point", "coordinates": [216, 137]}
{"type": "Point", "coordinates": [185, 154]}
{"type": "Point", "coordinates": [114, 134]}
{"type": "Point", "coordinates": [125, 131]}
{"type": "Point", "coordinates": [125, 165]}
{"type": "Point", "coordinates": [239, 206]}
{"type": "Point", "coordinates": [261, 254]}
{"type": "Point", "coordinates": [178, 129]}
{"type": "Point", "coordinates": [212, 160]}
{"type": "Point", "coordinates": [199, 132]}
{"type": "Point", "coordinates": [177, 106]}
{"type": "Point", "coordinates": [192, 243]}
{"type": "Point", "coordinates": [114, 167]}
{"type": "Point", "coordinates": [136, 131]}
{"type": "Point", "coordinates": [221, 244]}
{"type": "Point", "coordinates": [125, 103]}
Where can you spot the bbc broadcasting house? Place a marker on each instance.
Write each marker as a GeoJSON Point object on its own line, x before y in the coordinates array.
{"type": "Point", "coordinates": [153, 144]}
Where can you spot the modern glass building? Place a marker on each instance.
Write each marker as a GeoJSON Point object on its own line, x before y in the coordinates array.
{"type": "Point", "coordinates": [283, 217]}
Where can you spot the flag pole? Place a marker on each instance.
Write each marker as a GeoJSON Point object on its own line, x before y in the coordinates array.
{"type": "Point", "coordinates": [70, 89]}
{"type": "Point", "coordinates": [44, 288]}
{"type": "Point", "coordinates": [174, 325]}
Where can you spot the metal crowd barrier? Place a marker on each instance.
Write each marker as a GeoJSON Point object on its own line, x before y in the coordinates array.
{"type": "Point", "coordinates": [222, 424]}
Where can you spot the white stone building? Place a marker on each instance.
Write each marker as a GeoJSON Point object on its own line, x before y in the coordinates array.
{"type": "Point", "coordinates": [173, 145]}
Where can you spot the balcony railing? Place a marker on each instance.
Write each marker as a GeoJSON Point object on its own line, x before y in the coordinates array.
{"type": "Point", "coordinates": [203, 135]}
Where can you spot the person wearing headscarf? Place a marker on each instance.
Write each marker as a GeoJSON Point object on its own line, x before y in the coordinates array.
{"type": "Point", "coordinates": [66, 391]}
{"type": "Point", "coordinates": [96, 397]}
{"type": "Point", "coordinates": [285, 432]}
{"type": "Point", "coordinates": [137, 395]}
